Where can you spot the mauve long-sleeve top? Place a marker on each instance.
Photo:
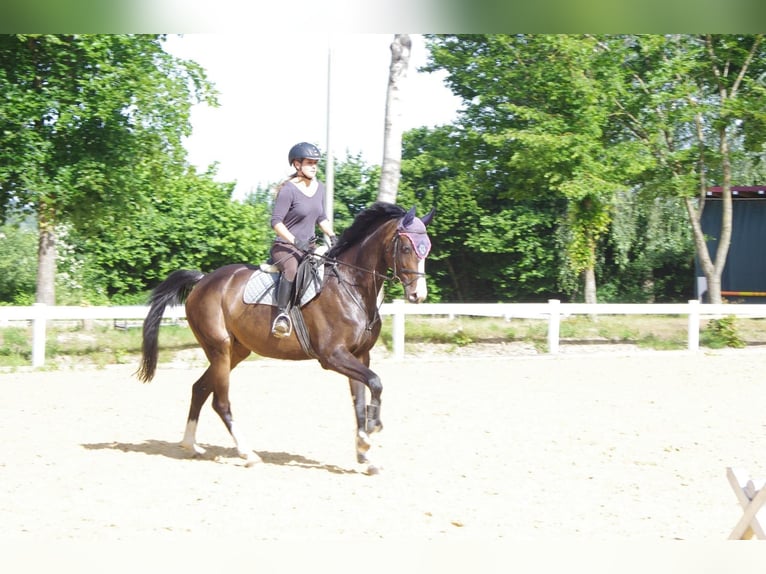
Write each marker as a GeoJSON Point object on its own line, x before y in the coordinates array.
{"type": "Point", "coordinates": [300, 213]}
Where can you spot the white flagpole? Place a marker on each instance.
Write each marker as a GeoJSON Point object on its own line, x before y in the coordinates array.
{"type": "Point", "coordinates": [330, 164]}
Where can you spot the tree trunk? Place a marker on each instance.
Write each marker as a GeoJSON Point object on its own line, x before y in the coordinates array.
{"type": "Point", "coordinates": [46, 265]}
{"type": "Point", "coordinates": [392, 138]}
{"type": "Point", "coordinates": [713, 268]}
{"type": "Point", "coordinates": [589, 276]}
{"type": "Point", "coordinates": [455, 281]}
{"type": "Point", "coordinates": [722, 253]}
{"type": "Point", "coordinates": [648, 287]}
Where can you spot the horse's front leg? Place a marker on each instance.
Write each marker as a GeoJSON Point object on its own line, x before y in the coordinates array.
{"type": "Point", "coordinates": [356, 368]}
{"type": "Point", "coordinates": [363, 442]}
{"type": "Point", "coordinates": [367, 416]}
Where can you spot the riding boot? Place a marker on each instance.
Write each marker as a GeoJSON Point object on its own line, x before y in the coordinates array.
{"type": "Point", "coordinates": [282, 326]}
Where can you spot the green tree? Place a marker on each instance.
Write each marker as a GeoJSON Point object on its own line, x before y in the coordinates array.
{"type": "Point", "coordinates": [485, 246]}
{"type": "Point", "coordinates": [690, 100]}
{"type": "Point", "coordinates": [90, 127]}
{"type": "Point", "coordinates": [541, 107]}
{"type": "Point", "coordinates": [192, 223]}
{"type": "Point", "coordinates": [356, 187]}
{"type": "Point", "coordinates": [649, 253]}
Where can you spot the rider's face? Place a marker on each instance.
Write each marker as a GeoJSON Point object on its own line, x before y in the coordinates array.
{"type": "Point", "coordinates": [308, 168]}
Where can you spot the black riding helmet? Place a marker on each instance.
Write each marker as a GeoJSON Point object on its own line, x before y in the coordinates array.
{"type": "Point", "coordinates": [303, 151]}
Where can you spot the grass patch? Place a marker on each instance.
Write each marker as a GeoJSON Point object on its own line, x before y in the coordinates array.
{"type": "Point", "coordinates": [15, 346]}
{"type": "Point", "coordinates": [102, 344]}
{"type": "Point", "coordinates": [658, 332]}
{"type": "Point", "coordinates": [98, 345]}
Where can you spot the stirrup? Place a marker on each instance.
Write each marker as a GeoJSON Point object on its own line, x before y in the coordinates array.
{"type": "Point", "coordinates": [278, 329]}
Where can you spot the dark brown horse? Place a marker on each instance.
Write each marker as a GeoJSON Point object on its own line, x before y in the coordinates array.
{"type": "Point", "coordinates": [342, 322]}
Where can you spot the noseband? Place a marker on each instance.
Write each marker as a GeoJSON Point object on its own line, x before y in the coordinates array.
{"type": "Point", "coordinates": [396, 244]}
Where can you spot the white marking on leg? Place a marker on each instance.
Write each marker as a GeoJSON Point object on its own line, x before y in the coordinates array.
{"type": "Point", "coordinates": [363, 442]}
{"type": "Point", "coordinates": [242, 449]}
{"type": "Point", "coordinates": [239, 441]}
{"type": "Point", "coordinates": [189, 441]}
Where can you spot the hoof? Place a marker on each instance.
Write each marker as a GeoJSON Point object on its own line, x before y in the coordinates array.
{"type": "Point", "coordinates": [374, 426]}
{"type": "Point", "coordinates": [193, 448]}
{"type": "Point", "coordinates": [372, 470]}
{"type": "Point", "coordinates": [363, 443]}
{"type": "Point", "coordinates": [252, 459]}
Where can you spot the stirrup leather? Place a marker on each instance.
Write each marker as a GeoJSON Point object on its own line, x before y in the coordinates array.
{"type": "Point", "coordinates": [277, 330]}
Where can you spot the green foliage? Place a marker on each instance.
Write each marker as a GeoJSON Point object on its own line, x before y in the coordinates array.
{"type": "Point", "coordinates": [696, 103]}
{"type": "Point", "coordinates": [355, 187]}
{"type": "Point", "coordinates": [18, 263]}
{"type": "Point", "coordinates": [90, 120]}
{"type": "Point", "coordinates": [538, 114]}
{"type": "Point", "coordinates": [592, 119]}
{"type": "Point", "coordinates": [571, 152]}
{"type": "Point", "coordinates": [648, 253]}
{"type": "Point", "coordinates": [91, 125]}
{"type": "Point", "coordinates": [15, 346]}
{"type": "Point", "coordinates": [192, 223]}
{"type": "Point", "coordinates": [722, 332]}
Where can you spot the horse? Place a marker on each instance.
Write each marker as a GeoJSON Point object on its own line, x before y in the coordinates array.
{"type": "Point", "coordinates": [342, 322]}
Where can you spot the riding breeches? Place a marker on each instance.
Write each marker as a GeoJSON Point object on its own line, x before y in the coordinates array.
{"type": "Point", "coordinates": [286, 257]}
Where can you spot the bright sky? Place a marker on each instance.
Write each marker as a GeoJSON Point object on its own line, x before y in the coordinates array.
{"type": "Point", "coordinates": [273, 94]}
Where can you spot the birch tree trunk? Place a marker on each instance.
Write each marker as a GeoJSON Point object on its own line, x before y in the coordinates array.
{"type": "Point", "coordinates": [46, 263]}
{"type": "Point", "coordinates": [392, 137]}
{"type": "Point", "coordinates": [589, 278]}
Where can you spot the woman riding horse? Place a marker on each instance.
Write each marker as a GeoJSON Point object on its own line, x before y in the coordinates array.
{"type": "Point", "coordinates": [342, 322]}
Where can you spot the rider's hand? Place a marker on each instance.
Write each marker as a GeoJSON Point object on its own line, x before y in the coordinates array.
{"type": "Point", "coordinates": [301, 244]}
{"type": "Point", "coordinates": [333, 240]}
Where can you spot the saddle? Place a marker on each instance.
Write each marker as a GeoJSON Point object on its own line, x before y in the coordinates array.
{"type": "Point", "coordinates": [261, 288]}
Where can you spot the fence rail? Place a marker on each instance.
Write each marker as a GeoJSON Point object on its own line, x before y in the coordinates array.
{"type": "Point", "coordinates": [552, 312]}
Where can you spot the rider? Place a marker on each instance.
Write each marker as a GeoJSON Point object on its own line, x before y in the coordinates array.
{"type": "Point", "coordinates": [298, 209]}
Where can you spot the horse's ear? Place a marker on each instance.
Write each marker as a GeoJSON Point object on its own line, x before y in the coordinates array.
{"type": "Point", "coordinates": [408, 217]}
{"type": "Point", "coordinates": [429, 217]}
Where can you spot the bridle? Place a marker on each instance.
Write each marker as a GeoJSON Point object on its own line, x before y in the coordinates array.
{"type": "Point", "coordinates": [394, 246]}
{"type": "Point", "coordinates": [417, 274]}
{"type": "Point", "coordinates": [394, 277]}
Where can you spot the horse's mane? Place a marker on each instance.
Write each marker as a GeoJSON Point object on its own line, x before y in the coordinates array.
{"type": "Point", "coordinates": [365, 223]}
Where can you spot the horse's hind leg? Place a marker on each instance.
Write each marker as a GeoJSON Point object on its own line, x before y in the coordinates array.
{"type": "Point", "coordinates": [221, 366]}
{"type": "Point", "coordinates": [215, 380]}
{"type": "Point", "coordinates": [200, 392]}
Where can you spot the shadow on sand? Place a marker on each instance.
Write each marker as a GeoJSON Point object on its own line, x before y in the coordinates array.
{"type": "Point", "coordinates": [217, 454]}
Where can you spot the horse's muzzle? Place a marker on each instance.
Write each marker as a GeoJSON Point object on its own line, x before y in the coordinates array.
{"type": "Point", "coordinates": [421, 291]}
{"type": "Point", "coordinates": [416, 299]}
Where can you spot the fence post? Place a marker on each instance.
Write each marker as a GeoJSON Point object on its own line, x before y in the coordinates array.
{"type": "Point", "coordinates": [398, 328]}
{"type": "Point", "coordinates": [694, 325]}
{"type": "Point", "coordinates": [38, 334]}
{"type": "Point", "coordinates": [554, 325]}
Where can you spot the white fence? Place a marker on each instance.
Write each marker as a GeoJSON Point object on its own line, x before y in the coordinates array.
{"type": "Point", "coordinates": [552, 312]}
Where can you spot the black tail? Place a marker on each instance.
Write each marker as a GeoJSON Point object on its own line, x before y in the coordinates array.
{"type": "Point", "coordinates": [174, 291]}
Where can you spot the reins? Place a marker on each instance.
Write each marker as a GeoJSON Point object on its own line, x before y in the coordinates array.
{"type": "Point", "coordinates": [392, 278]}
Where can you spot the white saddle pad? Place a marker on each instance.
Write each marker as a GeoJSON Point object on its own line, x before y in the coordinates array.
{"type": "Point", "coordinates": [260, 288]}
